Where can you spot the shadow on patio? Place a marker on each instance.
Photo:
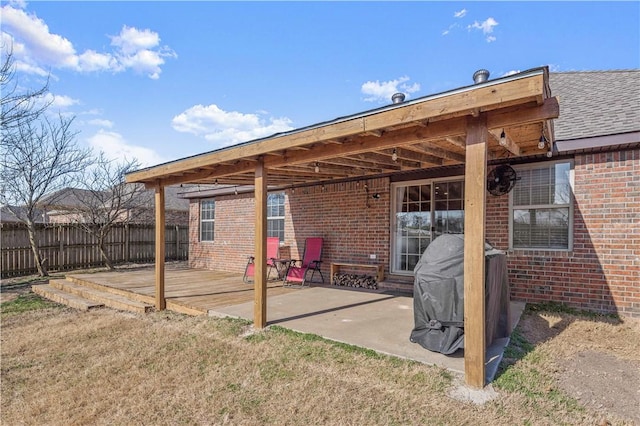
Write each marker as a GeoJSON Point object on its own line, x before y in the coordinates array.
{"type": "Point", "coordinates": [373, 320]}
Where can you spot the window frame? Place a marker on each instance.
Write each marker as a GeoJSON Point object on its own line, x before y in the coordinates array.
{"type": "Point", "coordinates": [393, 267]}
{"type": "Point", "coordinates": [570, 206]}
{"type": "Point", "coordinates": [274, 218]}
{"type": "Point", "coordinates": [212, 221]}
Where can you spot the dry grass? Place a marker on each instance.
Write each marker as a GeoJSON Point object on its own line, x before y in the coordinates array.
{"type": "Point", "coordinates": [61, 366]}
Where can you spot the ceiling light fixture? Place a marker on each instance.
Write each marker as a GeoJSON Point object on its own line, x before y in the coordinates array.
{"type": "Point", "coordinates": [317, 167]}
{"type": "Point", "coordinates": [235, 190]}
{"type": "Point", "coordinates": [503, 138]}
{"type": "Point", "coordinates": [542, 142]}
{"type": "Point", "coordinates": [394, 156]}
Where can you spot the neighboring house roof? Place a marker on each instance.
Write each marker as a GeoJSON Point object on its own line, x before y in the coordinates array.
{"type": "Point", "coordinates": [595, 104]}
{"type": "Point", "coordinates": [7, 215]}
{"type": "Point", "coordinates": [65, 198]}
{"type": "Point", "coordinates": [69, 198]}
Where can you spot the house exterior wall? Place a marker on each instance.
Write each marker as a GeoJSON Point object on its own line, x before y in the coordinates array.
{"type": "Point", "coordinates": [601, 273]}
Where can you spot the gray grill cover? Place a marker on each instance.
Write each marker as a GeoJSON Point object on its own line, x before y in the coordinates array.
{"type": "Point", "coordinates": [438, 295]}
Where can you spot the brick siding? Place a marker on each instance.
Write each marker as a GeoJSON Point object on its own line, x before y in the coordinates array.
{"type": "Point", "coordinates": [601, 273]}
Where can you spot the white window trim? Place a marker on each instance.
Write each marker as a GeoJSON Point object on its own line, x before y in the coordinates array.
{"type": "Point", "coordinates": [207, 220]}
{"type": "Point", "coordinates": [392, 214]}
{"type": "Point", "coordinates": [537, 165]}
{"type": "Point", "coordinates": [283, 217]}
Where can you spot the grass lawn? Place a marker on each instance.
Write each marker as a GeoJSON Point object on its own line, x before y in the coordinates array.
{"type": "Point", "coordinates": [63, 367]}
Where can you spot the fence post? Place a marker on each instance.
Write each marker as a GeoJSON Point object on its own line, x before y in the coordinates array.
{"type": "Point", "coordinates": [61, 253]}
{"type": "Point", "coordinates": [126, 242]}
{"type": "Point", "coordinates": [177, 242]}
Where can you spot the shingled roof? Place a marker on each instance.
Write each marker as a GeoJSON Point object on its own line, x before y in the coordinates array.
{"type": "Point", "coordinates": [596, 103]}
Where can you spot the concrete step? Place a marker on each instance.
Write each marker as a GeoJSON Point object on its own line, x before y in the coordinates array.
{"type": "Point", "coordinates": [59, 296]}
{"type": "Point", "coordinates": [111, 300]}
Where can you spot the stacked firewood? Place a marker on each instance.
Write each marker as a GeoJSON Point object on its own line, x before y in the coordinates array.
{"type": "Point", "coordinates": [353, 280]}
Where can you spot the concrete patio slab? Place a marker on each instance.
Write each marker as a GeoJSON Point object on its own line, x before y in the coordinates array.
{"type": "Point", "coordinates": [378, 321]}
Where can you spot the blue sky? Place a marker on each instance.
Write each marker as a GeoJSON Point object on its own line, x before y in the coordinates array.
{"type": "Point", "coordinates": [164, 80]}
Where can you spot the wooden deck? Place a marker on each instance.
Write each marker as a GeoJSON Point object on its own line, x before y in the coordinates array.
{"type": "Point", "coordinates": [189, 291]}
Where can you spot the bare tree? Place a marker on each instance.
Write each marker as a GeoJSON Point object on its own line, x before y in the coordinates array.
{"type": "Point", "coordinates": [18, 105]}
{"type": "Point", "coordinates": [108, 200]}
{"type": "Point", "coordinates": [39, 157]}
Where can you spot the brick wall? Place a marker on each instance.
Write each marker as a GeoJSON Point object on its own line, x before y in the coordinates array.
{"type": "Point", "coordinates": [602, 273]}
{"type": "Point", "coordinates": [234, 234]}
{"type": "Point", "coordinates": [352, 223]}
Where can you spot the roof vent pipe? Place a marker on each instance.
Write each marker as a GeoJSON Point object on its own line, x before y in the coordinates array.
{"type": "Point", "coordinates": [480, 76]}
{"type": "Point", "coordinates": [397, 98]}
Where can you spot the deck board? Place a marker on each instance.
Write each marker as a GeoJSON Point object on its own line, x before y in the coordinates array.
{"type": "Point", "coordinates": [196, 289]}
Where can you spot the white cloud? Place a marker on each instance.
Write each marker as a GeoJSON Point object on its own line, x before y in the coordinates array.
{"type": "Point", "coordinates": [60, 101]}
{"type": "Point", "coordinates": [460, 14]}
{"type": "Point", "coordinates": [36, 49]}
{"type": "Point", "coordinates": [381, 91]}
{"type": "Point", "coordinates": [99, 122]}
{"type": "Point", "coordinates": [115, 147]}
{"type": "Point", "coordinates": [20, 4]}
{"type": "Point", "coordinates": [512, 72]}
{"type": "Point", "coordinates": [486, 27]}
{"type": "Point", "coordinates": [226, 128]}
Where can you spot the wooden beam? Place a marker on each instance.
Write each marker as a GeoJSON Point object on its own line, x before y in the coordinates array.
{"type": "Point", "coordinates": [450, 130]}
{"type": "Point", "coordinates": [506, 142]}
{"type": "Point", "coordinates": [202, 174]}
{"type": "Point", "coordinates": [161, 302]}
{"type": "Point", "coordinates": [456, 141]}
{"type": "Point", "coordinates": [501, 119]}
{"type": "Point", "coordinates": [438, 152]}
{"type": "Point", "coordinates": [413, 155]}
{"type": "Point", "coordinates": [364, 144]}
{"type": "Point", "coordinates": [487, 97]}
{"type": "Point", "coordinates": [475, 178]}
{"type": "Point", "coordinates": [260, 277]}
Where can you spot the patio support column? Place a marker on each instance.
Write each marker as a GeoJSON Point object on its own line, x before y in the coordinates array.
{"type": "Point", "coordinates": [475, 177]}
{"type": "Point", "coordinates": [160, 247]}
{"type": "Point", "coordinates": [260, 277]}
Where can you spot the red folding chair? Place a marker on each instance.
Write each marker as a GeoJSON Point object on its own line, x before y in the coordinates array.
{"type": "Point", "coordinates": [299, 269]}
{"type": "Point", "coordinates": [273, 245]}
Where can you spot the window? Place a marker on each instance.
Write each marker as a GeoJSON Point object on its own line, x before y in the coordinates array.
{"type": "Point", "coordinates": [423, 210]}
{"type": "Point", "coordinates": [207, 219]}
{"type": "Point", "coordinates": [541, 208]}
{"type": "Point", "coordinates": [275, 215]}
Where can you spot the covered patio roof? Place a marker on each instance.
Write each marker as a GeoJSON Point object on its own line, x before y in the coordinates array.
{"type": "Point", "coordinates": [425, 132]}
{"type": "Point", "coordinates": [501, 118]}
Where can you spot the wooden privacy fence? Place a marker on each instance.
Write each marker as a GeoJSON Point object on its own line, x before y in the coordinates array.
{"type": "Point", "coordinates": [66, 246]}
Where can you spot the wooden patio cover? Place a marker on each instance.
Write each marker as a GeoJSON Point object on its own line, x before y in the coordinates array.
{"type": "Point", "coordinates": [471, 125]}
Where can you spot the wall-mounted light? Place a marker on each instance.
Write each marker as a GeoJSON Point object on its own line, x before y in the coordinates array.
{"type": "Point", "coordinates": [235, 190]}
{"type": "Point", "coordinates": [550, 152]}
{"type": "Point", "coordinates": [503, 138]}
{"type": "Point", "coordinates": [215, 184]}
{"type": "Point", "coordinates": [317, 168]}
{"type": "Point", "coordinates": [394, 155]}
{"type": "Point", "coordinates": [376, 196]}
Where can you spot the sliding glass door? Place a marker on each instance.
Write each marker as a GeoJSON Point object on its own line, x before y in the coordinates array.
{"type": "Point", "coordinates": [422, 211]}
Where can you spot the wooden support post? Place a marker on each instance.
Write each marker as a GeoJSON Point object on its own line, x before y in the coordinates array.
{"type": "Point", "coordinates": [475, 177]}
{"type": "Point", "coordinates": [260, 272]}
{"type": "Point", "coordinates": [161, 303]}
